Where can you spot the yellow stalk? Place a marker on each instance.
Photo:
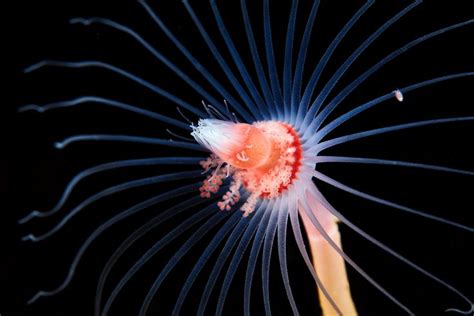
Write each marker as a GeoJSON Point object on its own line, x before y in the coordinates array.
{"type": "Point", "coordinates": [329, 264]}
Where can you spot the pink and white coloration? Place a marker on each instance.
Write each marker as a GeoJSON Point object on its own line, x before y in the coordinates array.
{"type": "Point", "coordinates": [263, 157]}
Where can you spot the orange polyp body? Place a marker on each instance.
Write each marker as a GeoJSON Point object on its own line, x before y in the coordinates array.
{"type": "Point", "coordinates": [253, 151]}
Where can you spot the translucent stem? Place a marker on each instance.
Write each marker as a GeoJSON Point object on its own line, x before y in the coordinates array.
{"type": "Point", "coordinates": [328, 263]}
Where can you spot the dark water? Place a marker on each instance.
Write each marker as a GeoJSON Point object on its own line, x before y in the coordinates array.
{"type": "Point", "coordinates": [36, 173]}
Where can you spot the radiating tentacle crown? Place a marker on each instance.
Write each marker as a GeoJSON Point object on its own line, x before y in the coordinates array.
{"type": "Point", "coordinates": [263, 157]}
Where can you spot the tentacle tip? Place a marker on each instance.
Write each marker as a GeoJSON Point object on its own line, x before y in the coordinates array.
{"type": "Point", "coordinates": [30, 107]}
{"type": "Point", "coordinates": [455, 310]}
{"type": "Point", "coordinates": [29, 237]}
{"type": "Point", "coordinates": [34, 298]}
{"type": "Point", "coordinates": [82, 21]}
{"type": "Point", "coordinates": [28, 217]}
{"type": "Point", "coordinates": [59, 145]}
{"type": "Point", "coordinates": [34, 67]}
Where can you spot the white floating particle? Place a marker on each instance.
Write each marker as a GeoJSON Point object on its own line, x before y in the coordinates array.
{"type": "Point", "coordinates": [398, 95]}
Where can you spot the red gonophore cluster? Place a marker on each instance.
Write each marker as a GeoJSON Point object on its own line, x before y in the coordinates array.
{"type": "Point", "coordinates": [231, 197]}
{"type": "Point", "coordinates": [210, 162]}
{"type": "Point", "coordinates": [211, 185]}
{"type": "Point", "coordinates": [214, 181]}
{"type": "Point", "coordinates": [265, 162]}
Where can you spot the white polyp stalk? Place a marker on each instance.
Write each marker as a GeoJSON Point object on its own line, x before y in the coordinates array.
{"type": "Point", "coordinates": [329, 265]}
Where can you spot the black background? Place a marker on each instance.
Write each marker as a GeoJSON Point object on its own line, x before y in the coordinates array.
{"type": "Point", "coordinates": [36, 173]}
